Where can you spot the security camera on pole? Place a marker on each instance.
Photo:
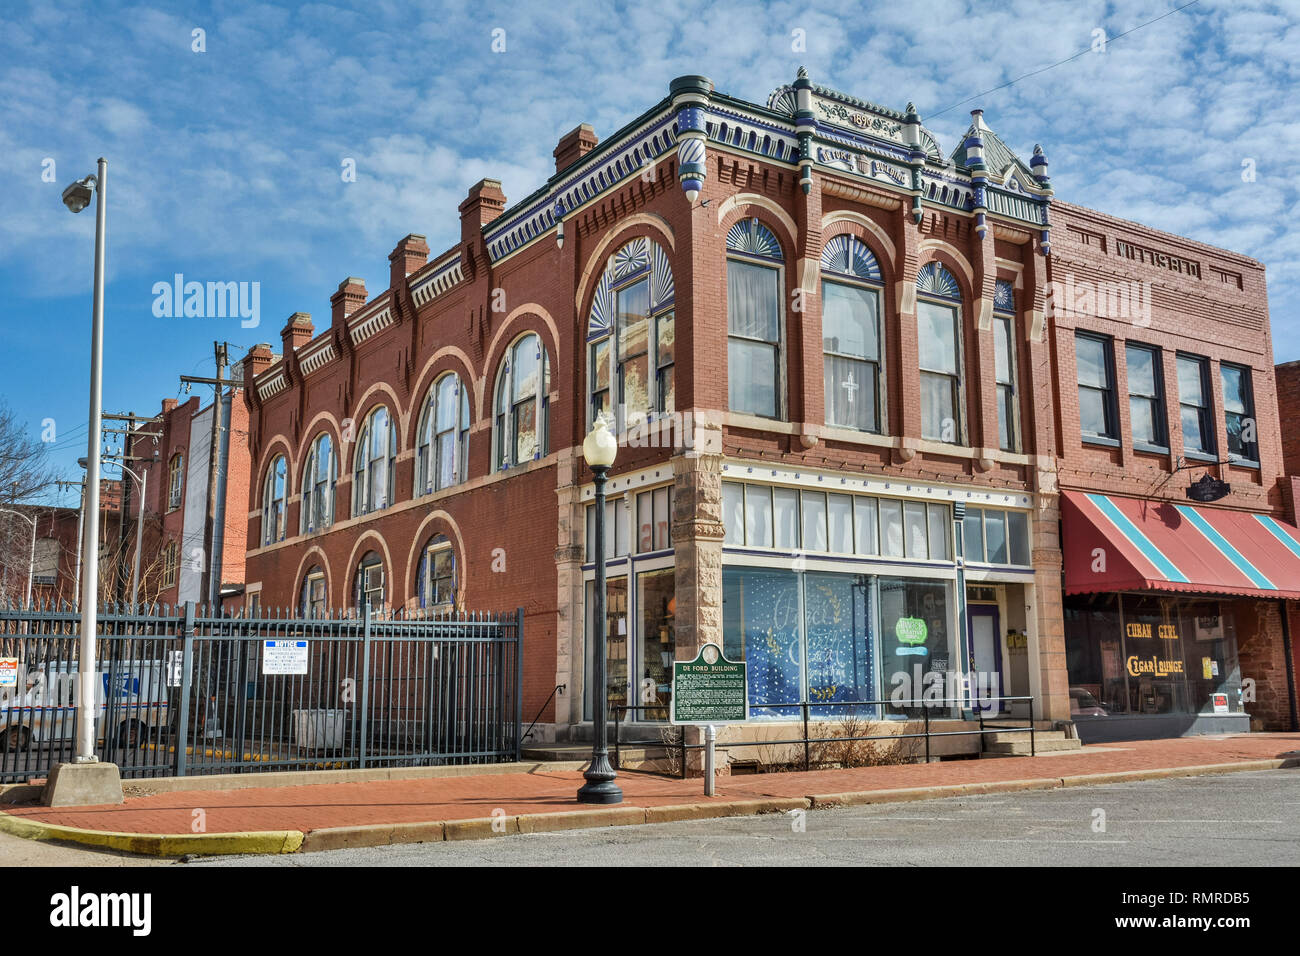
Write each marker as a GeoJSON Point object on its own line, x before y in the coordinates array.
{"type": "Point", "coordinates": [86, 780]}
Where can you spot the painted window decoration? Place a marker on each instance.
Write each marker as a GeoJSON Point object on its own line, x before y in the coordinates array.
{"type": "Point", "coordinates": [522, 404]}
{"type": "Point", "coordinates": [807, 636]}
{"type": "Point", "coordinates": [436, 576]}
{"type": "Point", "coordinates": [917, 641]}
{"type": "Point", "coordinates": [1239, 413]}
{"type": "Point", "coordinates": [938, 318]}
{"type": "Point", "coordinates": [1096, 373]}
{"type": "Point", "coordinates": [1004, 363]}
{"type": "Point", "coordinates": [314, 600]}
{"type": "Point", "coordinates": [1194, 404]}
{"type": "Point", "coordinates": [169, 565]}
{"type": "Point", "coordinates": [996, 536]}
{"type": "Point", "coordinates": [631, 335]}
{"type": "Point", "coordinates": [754, 279]}
{"type": "Point", "coordinates": [369, 585]}
{"type": "Point", "coordinates": [273, 501]}
{"type": "Point", "coordinates": [318, 481]}
{"type": "Point", "coordinates": [790, 519]}
{"type": "Point", "coordinates": [1146, 395]}
{"type": "Point", "coordinates": [851, 334]}
{"type": "Point", "coordinates": [175, 477]}
{"type": "Point", "coordinates": [442, 450]}
{"type": "Point", "coordinates": [373, 469]}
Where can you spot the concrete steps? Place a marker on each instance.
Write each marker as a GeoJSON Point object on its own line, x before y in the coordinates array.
{"type": "Point", "coordinates": [631, 757]}
{"type": "Point", "coordinates": [1017, 744]}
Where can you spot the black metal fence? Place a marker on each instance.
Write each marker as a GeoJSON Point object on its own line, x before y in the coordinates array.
{"type": "Point", "coordinates": [182, 692]}
{"type": "Point", "coordinates": [848, 716]}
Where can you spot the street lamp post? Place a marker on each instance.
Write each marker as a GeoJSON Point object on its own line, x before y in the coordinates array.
{"type": "Point", "coordinates": [599, 450]}
{"type": "Point", "coordinates": [77, 197]}
{"type": "Point", "coordinates": [31, 561]}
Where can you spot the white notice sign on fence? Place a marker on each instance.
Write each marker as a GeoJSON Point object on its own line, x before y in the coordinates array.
{"type": "Point", "coordinates": [284, 657]}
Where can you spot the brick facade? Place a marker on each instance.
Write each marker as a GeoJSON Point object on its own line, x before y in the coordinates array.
{"type": "Point", "coordinates": [518, 533]}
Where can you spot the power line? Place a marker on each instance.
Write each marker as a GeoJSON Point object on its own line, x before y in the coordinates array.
{"type": "Point", "coordinates": [1025, 76]}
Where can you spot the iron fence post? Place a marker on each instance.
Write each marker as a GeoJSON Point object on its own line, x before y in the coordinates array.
{"type": "Point", "coordinates": [1032, 753]}
{"type": "Point", "coordinates": [363, 743]}
{"type": "Point", "coordinates": [519, 682]}
{"type": "Point", "coordinates": [807, 753]}
{"type": "Point", "coordinates": [187, 658]}
{"type": "Point", "coordinates": [925, 710]}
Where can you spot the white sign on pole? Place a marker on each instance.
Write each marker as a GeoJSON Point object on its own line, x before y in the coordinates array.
{"type": "Point", "coordinates": [284, 657]}
{"type": "Point", "coordinates": [8, 672]}
{"type": "Point", "coordinates": [175, 665]}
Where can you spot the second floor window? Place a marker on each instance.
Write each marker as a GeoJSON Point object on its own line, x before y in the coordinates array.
{"type": "Point", "coordinates": [369, 586]}
{"type": "Point", "coordinates": [442, 457]}
{"type": "Point", "coordinates": [1194, 404]}
{"type": "Point", "coordinates": [373, 471]}
{"type": "Point", "coordinates": [1146, 400]}
{"type": "Point", "coordinates": [754, 263]}
{"type": "Point", "coordinates": [318, 480]}
{"type": "Point", "coordinates": [851, 348]}
{"type": "Point", "coordinates": [1239, 413]}
{"type": "Point", "coordinates": [1097, 417]}
{"type": "Point", "coordinates": [175, 476]}
{"type": "Point", "coordinates": [938, 320]}
{"type": "Point", "coordinates": [437, 573]}
{"type": "Point", "coordinates": [631, 336]}
{"type": "Point", "coordinates": [522, 404]}
{"type": "Point", "coordinates": [314, 600]}
{"type": "Point", "coordinates": [169, 565]}
{"type": "Point", "coordinates": [273, 500]}
{"type": "Point", "coordinates": [1004, 365]}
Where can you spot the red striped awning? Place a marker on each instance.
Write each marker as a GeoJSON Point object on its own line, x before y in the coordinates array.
{"type": "Point", "coordinates": [1112, 543]}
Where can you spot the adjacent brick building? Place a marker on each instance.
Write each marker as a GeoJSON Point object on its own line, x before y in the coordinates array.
{"type": "Point", "coordinates": [849, 408]}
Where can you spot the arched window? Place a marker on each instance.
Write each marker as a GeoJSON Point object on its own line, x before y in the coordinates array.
{"type": "Point", "coordinates": [437, 573]}
{"type": "Point", "coordinates": [372, 476]}
{"type": "Point", "coordinates": [175, 478]}
{"type": "Point", "coordinates": [754, 280]}
{"type": "Point", "coordinates": [522, 407]}
{"type": "Point", "coordinates": [315, 600]}
{"type": "Point", "coordinates": [1004, 365]}
{"type": "Point", "coordinates": [851, 335]}
{"type": "Point", "coordinates": [442, 452]}
{"type": "Point", "coordinates": [318, 479]}
{"type": "Point", "coordinates": [630, 336]}
{"type": "Point", "coordinates": [369, 587]}
{"type": "Point", "coordinates": [938, 331]}
{"type": "Point", "coordinates": [273, 498]}
{"type": "Point", "coordinates": [169, 565]}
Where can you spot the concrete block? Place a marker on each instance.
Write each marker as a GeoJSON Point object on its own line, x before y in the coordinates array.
{"type": "Point", "coordinates": [83, 785]}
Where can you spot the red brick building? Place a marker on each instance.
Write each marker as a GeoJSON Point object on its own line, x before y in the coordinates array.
{"type": "Point", "coordinates": [847, 419]}
{"type": "Point", "coordinates": [53, 557]}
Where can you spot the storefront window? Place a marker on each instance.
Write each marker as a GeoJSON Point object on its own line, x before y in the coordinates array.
{"type": "Point", "coordinates": [1144, 654]}
{"type": "Point", "coordinates": [615, 632]}
{"type": "Point", "coordinates": [762, 624]}
{"type": "Point", "coordinates": [655, 592]}
{"type": "Point", "coordinates": [916, 641]}
{"type": "Point", "coordinates": [838, 624]}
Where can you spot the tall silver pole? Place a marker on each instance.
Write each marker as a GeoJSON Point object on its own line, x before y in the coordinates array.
{"type": "Point", "coordinates": [139, 525]}
{"type": "Point", "coordinates": [89, 669]}
{"type": "Point", "coordinates": [81, 517]}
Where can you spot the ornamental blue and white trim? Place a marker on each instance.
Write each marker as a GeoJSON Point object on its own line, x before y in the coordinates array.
{"type": "Point", "coordinates": [633, 260]}
{"type": "Point", "coordinates": [935, 279]}
{"type": "Point", "coordinates": [751, 238]}
{"type": "Point", "coordinates": [849, 256]}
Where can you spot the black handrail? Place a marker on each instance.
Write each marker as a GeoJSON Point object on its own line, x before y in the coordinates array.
{"type": "Point", "coordinates": [529, 732]}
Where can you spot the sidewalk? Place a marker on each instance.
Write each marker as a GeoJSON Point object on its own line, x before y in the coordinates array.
{"type": "Point", "coordinates": [322, 816]}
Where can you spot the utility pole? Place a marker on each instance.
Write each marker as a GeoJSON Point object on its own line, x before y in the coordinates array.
{"type": "Point", "coordinates": [219, 352]}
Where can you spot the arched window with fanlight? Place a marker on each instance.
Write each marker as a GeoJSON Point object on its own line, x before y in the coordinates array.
{"type": "Point", "coordinates": [274, 488]}
{"type": "Point", "coordinates": [436, 577]}
{"type": "Point", "coordinates": [755, 266]}
{"type": "Point", "coordinates": [442, 449]}
{"type": "Point", "coordinates": [314, 599]}
{"type": "Point", "coordinates": [630, 336]}
{"type": "Point", "coordinates": [852, 341]}
{"type": "Point", "coordinates": [175, 480]}
{"type": "Point", "coordinates": [369, 585]}
{"type": "Point", "coordinates": [319, 476]}
{"type": "Point", "coordinates": [372, 476]}
{"type": "Point", "coordinates": [938, 332]}
{"type": "Point", "coordinates": [522, 416]}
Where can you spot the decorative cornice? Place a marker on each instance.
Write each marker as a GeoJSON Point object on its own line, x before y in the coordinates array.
{"type": "Point", "coordinates": [442, 277]}
{"type": "Point", "coordinates": [273, 385]}
{"type": "Point", "coordinates": [868, 197]}
{"type": "Point", "coordinates": [318, 358]}
{"type": "Point", "coordinates": [369, 322]}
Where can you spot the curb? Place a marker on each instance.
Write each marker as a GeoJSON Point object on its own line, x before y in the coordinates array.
{"type": "Point", "coordinates": [483, 828]}
{"type": "Point", "coordinates": [158, 844]}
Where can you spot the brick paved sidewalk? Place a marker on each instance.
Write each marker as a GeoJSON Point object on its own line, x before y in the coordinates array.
{"type": "Point", "coordinates": [313, 807]}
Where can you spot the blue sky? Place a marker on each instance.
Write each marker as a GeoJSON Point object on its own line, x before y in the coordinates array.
{"type": "Point", "coordinates": [225, 164]}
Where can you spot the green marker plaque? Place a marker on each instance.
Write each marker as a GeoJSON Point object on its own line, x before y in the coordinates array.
{"type": "Point", "coordinates": [709, 689]}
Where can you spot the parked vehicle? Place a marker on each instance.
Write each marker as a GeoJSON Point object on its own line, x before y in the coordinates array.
{"type": "Point", "coordinates": [1083, 704]}
{"type": "Point", "coordinates": [130, 700]}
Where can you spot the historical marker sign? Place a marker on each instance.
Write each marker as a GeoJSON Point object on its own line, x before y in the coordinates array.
{"type": "Point", "coordinates": [709, 689]}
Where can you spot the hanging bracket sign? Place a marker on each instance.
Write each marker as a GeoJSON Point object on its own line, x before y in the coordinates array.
{"type": "Point", "coordinates": [709, 689]}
